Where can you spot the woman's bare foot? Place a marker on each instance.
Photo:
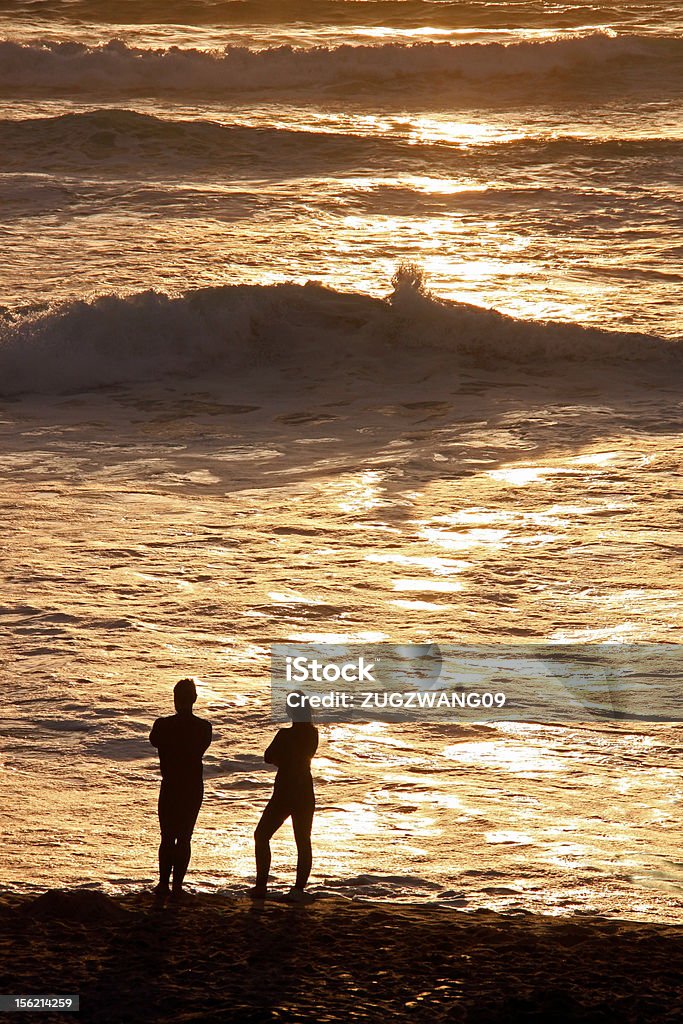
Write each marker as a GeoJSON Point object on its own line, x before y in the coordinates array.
{"type": "Point", "coordinates": [259, 892]}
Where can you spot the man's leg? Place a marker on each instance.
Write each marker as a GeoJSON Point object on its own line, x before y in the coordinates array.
{"type": "Point", "coordinates": [167, 845]}
{"type": "Point", "coordinates": [272, 818]}
{"type": "Point", "coordinates": [166, 855]}
{"type": "Point", "coordinates": [181, 859]}
{"type": "Point", "coordinates": [183, 849]}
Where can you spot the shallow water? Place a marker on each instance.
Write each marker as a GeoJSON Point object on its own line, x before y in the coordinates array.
{"type": "Point", "coordinates": [155, 533]}
{"type": "Point", "coordinates": [186, 481]}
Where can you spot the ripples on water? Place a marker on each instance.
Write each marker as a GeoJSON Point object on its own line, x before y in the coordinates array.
{"type": "Point", "coordinates": [205, 534]}
{"type": "Point", "coordinates": [300, 464]}
{"type": "Point", "coordinates": [528, 160]}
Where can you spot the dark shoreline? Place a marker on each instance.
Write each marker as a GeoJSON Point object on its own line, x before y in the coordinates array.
{"type": "Point", "coordinates": [221, 959]}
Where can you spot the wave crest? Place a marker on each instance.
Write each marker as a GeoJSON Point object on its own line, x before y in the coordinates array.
{"type": "Point", "coordinates": [237, 328]}
{"type": "Point", "coordinates": [118, 68]}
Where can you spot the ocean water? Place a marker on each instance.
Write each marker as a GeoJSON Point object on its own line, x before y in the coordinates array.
{"type": "Point", "coordinates": [339, 321]}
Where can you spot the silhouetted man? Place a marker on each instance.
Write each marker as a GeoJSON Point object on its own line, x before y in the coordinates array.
{"type": "Point", "coordinates": [181, 741]}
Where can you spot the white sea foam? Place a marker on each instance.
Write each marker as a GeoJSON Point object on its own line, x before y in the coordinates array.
{"type": "Point", "coordinates": [120, 68]}
{"type": "Point", "coordinates": [111, 339]}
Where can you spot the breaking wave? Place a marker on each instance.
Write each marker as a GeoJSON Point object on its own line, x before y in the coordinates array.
{"type": "Point", "coordinates": [121, 69]}
{"type": "Point", "coordinates": [444, 13]}
{"type": "Point", "coordinates": [224, 330]}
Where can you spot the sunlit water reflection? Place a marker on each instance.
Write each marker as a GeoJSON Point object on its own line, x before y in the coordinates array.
{"type": "Point", "coordinates": [139, 546]}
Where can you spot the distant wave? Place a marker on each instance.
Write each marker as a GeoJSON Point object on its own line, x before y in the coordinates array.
{"type": "Point", "coordinates": [229, 329]}
{"type": "Point", "coordinates": [408, 13]}
{"type": "Point", "coordinates": [118, 68]}
{"type": "Point", "coordinates": [125, 137]}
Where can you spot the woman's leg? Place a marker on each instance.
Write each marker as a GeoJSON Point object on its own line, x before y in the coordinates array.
{"type": "Point", "coordinates": [302, 821]}
{"type": "Point", "coordinates": [272, 818]}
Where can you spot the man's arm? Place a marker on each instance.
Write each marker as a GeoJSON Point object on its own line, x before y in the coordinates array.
{"type": "Point", "coordinates": [154, 734]}
{"type": "Point", "coordinates": [208, 736]}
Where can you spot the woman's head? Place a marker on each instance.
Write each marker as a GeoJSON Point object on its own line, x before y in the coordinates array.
{"type": "Point", "coordinates": [298, 707]}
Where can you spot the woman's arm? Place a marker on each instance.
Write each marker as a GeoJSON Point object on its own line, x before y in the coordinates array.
{"type": "Point", "coordinates": [272, 754]}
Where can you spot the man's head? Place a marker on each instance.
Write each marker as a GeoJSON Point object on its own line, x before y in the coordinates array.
{"type": "Point", "coordinates": [184, 694]}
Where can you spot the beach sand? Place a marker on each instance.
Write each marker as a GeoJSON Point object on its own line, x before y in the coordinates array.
{"type": "Point", "coordinates": [214, 958]}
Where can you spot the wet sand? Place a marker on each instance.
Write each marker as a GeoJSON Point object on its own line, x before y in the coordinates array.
{"type": "Point", "coordinates": [214, 958]}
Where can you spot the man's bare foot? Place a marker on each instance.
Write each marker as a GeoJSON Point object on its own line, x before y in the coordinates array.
{"type": "Point", "coordinates": [259, 892]}
{"type": "Point", "coordinates": [296, 895]}
{"type": "Point", "coordinates": [161, 891]}
{"type": "Point", "coordinates": [177, 894]}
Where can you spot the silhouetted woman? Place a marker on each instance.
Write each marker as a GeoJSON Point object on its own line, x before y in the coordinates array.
{"type": "Point", "coordinates": [291, 751]}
